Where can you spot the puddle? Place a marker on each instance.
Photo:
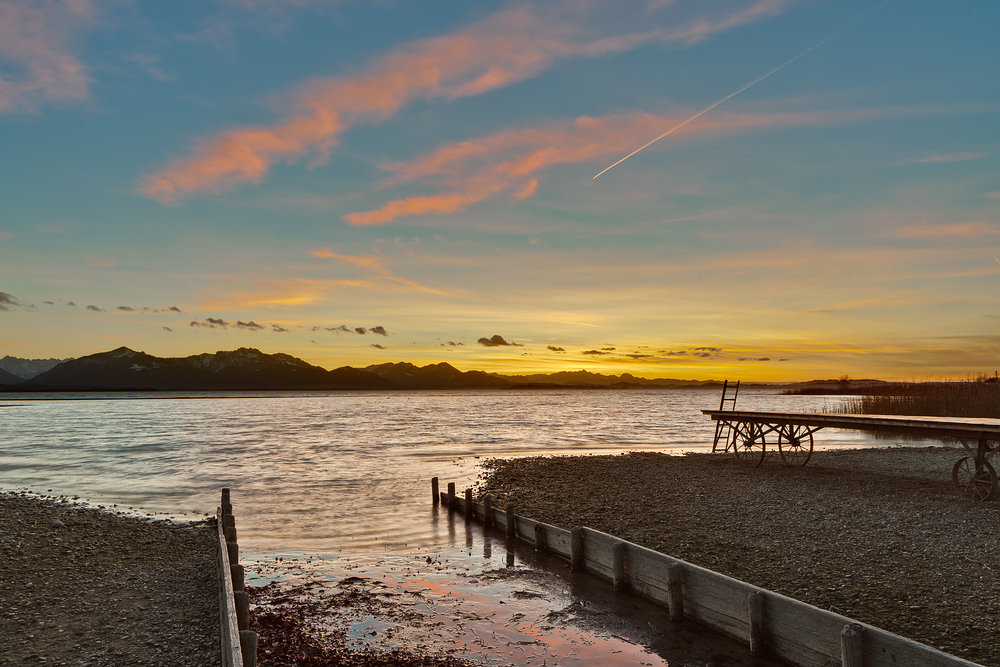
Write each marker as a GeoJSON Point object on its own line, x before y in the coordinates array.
{"type": "Point", "coordinates": [476, 600]}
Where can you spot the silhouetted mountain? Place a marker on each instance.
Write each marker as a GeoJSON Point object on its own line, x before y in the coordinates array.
{"type": "Point", "coordinates": [242, 369]}
{"type": "Point", "coordinates": [436, 376]}
{"type": "Point", "coordinates": [588, 379]}
{"type": "Point", "coordinates": [9, 378]}
{"type": "Point", "coordinates": [28, 368]}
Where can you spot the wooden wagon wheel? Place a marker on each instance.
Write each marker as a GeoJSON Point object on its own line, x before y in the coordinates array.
{"type": "Point", "coordinates": [795, 444]}
{"type": "Point", "coordinates": [748, 444]}
{"type": "Point", "coordinates": [974, 478]}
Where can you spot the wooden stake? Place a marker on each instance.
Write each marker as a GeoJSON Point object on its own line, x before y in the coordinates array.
{"type": "Point", "coordinates": [468, 505]}
{"type": "Point", "coordinates": [850, 646]}
{"type": "Point", "coordinates": [511, 530]}
{"type": "Point", "coordinates": [488, 511]}
{"type": "Point", "coordinates": [434, 490]}
{"type": "Point", "coordinates": [248, 647]}
{"type": "Point", "coordinates": [576, 549]}
{"type": "Point", "coordinates": [242, 600]}
{"type": "Point", "coordinates": [239, 577]}
{"type": "Point", "coordinates": [755, 612]}
{"type": "Point", "coordinates": [618, 567]}
{"type": "Point", "coordinates": [451, 496]}
{"type": "Point", "coordinates": [675, 591]}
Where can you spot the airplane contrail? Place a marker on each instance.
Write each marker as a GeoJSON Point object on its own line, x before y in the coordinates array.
{"type": "Point", "coordinates": [752, 83]}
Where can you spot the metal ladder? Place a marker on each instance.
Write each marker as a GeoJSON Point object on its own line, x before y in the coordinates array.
{"type": "Point", "coordinates": [723, 429]}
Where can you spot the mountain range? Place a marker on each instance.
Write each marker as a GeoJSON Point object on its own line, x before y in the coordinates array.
{"type": "Point", "coordinates": [250, 369]}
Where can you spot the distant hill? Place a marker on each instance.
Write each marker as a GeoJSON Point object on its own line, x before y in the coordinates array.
{"type": "Point", "coordinates": [245, 369]}
{"type": "Point", "coordinates": [28, 368]}
{"type": "Point", "coordinates": [588, 379]}
{"type": "Point", "coordinates": [9, 378]}
{"type": "Point", "coordinates": [436, 376]}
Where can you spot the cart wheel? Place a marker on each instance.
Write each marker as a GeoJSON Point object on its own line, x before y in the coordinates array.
{"type": "Point", "coordinates": [974, 478]}
{"type": "Point", "coordinates": [795, 444]}
{"type": "Point", "coordinates": [748, 444]}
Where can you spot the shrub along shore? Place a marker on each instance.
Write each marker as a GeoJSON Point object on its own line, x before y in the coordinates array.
{"type": "Point", "coordinates": [877, 535]}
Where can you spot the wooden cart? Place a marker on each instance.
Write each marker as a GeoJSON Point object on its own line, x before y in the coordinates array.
{"type": "Point", "coordinates": [747, 434]}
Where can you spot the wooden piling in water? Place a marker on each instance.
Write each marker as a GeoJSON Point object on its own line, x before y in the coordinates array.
{"type": "Point", "coordinates": [451, 496]}
{"type": "Point", "coordinates": [755, 615]}
{"type": "Point", "coordinates": [576, 549]}
{"type": "Point", "coordinates": [618, 567]}
{"type": "Point", "coordinates": [434, 490]}
{"type": "Point", "coordinates": [851, 646]}
{"type": "Point", "coordinates": [511, 520]}
{"type": "Point", "coordinates": [469, 507]}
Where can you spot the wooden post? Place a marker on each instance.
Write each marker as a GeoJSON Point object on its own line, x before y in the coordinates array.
{"type": "Point", "coordinates": [468, 505]}
{"type": "Point", "coordinates": [239, 577]}
{"type": "Point", "coordinates": [539, 537]}
{"type": "Point", "coordinates": [434, 490]}
{"type": "Point", "coordinates": [234, 552]}
{"type": "Point", "coordinates": [248, 647]}
{"type": "Point", "coordinates": [755, 612]}
{"type": "Point", "coordinates": [850, 646]}
{"type": "Point", "coordinates": [576, 549]}
{"type": "Point", "coordinates": [230, 532]}
{"type": "Point", "coordinates": [675, 591]}
{"type": "Point", "coordinates": [511, 530]}
{"type": "Point", "coordinates": [242, 609]}
{"type": "Point", "coordinates": [487, 512]}
{"type": "Point", "coordinates": [618, 567]}
{"type": "Point", "coordinates": [228, 520]}
{"type": "Point", "coordinates": [451, 496]}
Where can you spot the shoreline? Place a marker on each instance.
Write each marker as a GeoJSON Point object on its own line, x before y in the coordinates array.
{"type": "Point", "coordinates": [875, 534]}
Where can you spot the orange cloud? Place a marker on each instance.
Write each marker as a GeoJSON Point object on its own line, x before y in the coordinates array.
{"type": "Point", "coordinates": [36, 65]}
{"type": "Point", "coordinates": [370, 262]}
{"type": "Point", "coordinates": [954, 230]}
{"type": "Point", "coordinates": [504, 48]}
{"type": "Point", "coordinates": [479, 169]}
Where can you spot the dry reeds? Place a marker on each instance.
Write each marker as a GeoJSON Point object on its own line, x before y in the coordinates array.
{"type": "Point", "coordinates": [979, 398]}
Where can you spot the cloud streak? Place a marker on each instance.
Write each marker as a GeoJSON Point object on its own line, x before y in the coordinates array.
{"type": "Point", "coordinates": [501, 49]}
{"type": "Point", "coordinates": [513, 162]}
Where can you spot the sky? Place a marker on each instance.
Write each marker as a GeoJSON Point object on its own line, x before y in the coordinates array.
{"type": "Point", "coordinates": [356, 183]}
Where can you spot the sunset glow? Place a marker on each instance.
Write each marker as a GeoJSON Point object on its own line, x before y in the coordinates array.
{"type": "Point", "coordinates": [362, 183]}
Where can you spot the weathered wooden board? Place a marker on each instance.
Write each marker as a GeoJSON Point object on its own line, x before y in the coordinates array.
{"type": "Point", "coordinates": [230, 639]}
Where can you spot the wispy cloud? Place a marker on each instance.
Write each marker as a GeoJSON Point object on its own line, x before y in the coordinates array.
{"type": "Point", "coordinates": [954, 230]}
{"type": "Point", "coordinates": [938, 159]}
{"type": "Point", "coordinates": [513, 162]}
{"type": "Point", "coordinates": [497, 341]}
{"type": "Point", "coordinates": [37, 66]}
{"type": "Point", "coordinates": [502, 49]}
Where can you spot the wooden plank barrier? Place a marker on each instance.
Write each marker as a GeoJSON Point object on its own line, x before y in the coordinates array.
{"type": "Point", "coordinates": [239, 643]}
{"type": "Point", "coordinates": [769, 623]}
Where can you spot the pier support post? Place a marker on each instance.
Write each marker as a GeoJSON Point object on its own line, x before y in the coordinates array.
{"type": "Point", "coordinates": [850, 645]}
{"type": "Point", "coordinates": [451, 496]}
{"type": "Point", "coordinates": [618, 567]}
{"type": "Point", "coordinates": [434, 490]}
{"type": "Point", "coordinates": [755, 612]}
{"type": "Point", "coordinates": [576, 549]}
{"type": "Point", "coordinates": [511, 528]}
{"type": "Point", "coordinates": [469, 509]}
{"type": "Point", "coordinates": [487, 512]}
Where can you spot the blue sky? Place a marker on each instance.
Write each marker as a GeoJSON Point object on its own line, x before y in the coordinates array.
{"type": "Point", "coordinates": [196, 176]}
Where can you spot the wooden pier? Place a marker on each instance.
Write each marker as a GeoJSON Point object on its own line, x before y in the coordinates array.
{"type": "Point", "coordinates": [748, 432]}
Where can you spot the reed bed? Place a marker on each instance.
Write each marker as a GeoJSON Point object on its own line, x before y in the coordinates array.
{"type": "Point", "coordinates": [980, 398]}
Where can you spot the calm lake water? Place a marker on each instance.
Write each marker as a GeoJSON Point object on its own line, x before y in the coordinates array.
{"type": "Point", "coordinates": [329, 471]}
{"type": "Point", "coordinates": [332, 485]}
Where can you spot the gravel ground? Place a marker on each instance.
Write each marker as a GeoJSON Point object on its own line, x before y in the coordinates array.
{"type": "Point", "coordinates": [104, 590]}
{"type": "Point", "coordinates": [878, 535]}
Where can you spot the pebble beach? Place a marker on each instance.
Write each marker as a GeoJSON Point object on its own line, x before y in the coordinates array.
{"type": "Point", "coordinates": [878, 535]}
